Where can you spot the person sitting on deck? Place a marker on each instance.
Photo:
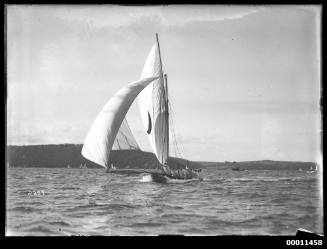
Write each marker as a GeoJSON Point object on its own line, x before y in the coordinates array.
{"type": "Point", "coordinates": [165, 169]}
{"type": "Point", "coordinates": [169, 171]}
{"type": "Point", "coordinates": [183, 174]}
{"type": "Point", "coordinates": [194, 173]}
{"type": "Point", "coordinates": [172, 173]}
{"type": "Point", "coordinates": [178, 173]}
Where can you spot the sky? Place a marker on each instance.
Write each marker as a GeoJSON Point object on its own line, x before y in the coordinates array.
{"type": "Point", "coordinates": [244, 81]}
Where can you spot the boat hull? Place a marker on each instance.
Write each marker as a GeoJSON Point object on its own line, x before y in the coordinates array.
{"type": "Point", "coordinates": [132, 171]}
{"type": "Point", "coordinates": [156, 175]}
{"type": "Point", "coordinates": [162, 178]}
{"type": "Point", "coordinates": [159, 178]}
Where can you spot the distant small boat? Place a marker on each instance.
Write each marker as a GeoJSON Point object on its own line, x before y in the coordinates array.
{"type": "Point", "coordinates": [237, 169]}
{"type": "Point", "coordinates": [312, 170]}
{"type": "Point", "coordinates": [68, 166]}
{"type": "Point", "coordinates": [83, 166]}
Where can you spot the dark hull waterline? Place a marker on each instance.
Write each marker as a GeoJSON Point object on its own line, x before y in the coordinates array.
{"type": "Point", "coordinates": [133, 171]}
{"type": "Point", "coordinates": [156, 175]}
{"type": "Point", "coordinates": [162, 178]}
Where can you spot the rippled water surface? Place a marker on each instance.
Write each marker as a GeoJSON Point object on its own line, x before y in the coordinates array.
{"type": "Point", "coordinates": [91, 202]}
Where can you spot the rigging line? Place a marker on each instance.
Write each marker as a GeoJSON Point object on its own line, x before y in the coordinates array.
{"type": "Point", "coordinates": [160, 97]}
{"type": "Point", "coordinates": [128, 144]}
{"type": "Point", "coordinates": [156, 83]}
{"type": "Point", "coordinates": [163, 128]}
{"type": "Point", "coordinates": [173, 130]}
{"type": "Point", "coordinates": [163, 92]}
{"type": "Point", "coordinates": [176, 151]}
{"type": "Point", "coordinates": [166, 107]}
{"type": "Point", "coordinates": [126, 138]}
{"type": "Point", "coordinates": [161, 70]}
{"type": "Point", "coordinates": [118, 144]}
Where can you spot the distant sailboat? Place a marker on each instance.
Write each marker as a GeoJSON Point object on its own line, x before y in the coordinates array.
{"type": "Point", "coordinates": [312, 170]}
{"type": "Point", "coordinates": [237, 169]}
{"type": "Point", "coordinates": [82, 166]}
{"type": "Point", "coordinates": [111, 131]}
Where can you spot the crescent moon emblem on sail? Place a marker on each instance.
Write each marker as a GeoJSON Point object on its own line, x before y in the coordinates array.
{"type": "Point", "coordinates": [149, 124]}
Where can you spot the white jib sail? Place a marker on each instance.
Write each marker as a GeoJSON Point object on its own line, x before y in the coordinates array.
{"type": "Point", "coordinates": [125, 139]}
{"type": "Point", "coordinates": [101, 136]}
{"type": "Point", "coordinates": [152, 106]}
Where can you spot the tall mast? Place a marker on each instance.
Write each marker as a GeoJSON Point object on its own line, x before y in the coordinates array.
{"type": "Point", "coordinates": [161, 72]}
{"type": "Point", "coordinates": [164, 77]}
{"type": "Point", "coordinates": [167, 113]}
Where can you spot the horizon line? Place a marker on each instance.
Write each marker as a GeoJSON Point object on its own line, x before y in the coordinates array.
{"type": "Point", "coordinates": [228, 161]}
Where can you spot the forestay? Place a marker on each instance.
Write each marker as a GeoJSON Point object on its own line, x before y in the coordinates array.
{"type": "Point", "coordinates": [125, 139]}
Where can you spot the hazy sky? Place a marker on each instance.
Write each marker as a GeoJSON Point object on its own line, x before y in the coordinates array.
{"type": "Point", "coordinates": [244, 81]}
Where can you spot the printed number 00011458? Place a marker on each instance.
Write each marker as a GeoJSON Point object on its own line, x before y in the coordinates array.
{"type": "Point", "coordinates": [304, 242]}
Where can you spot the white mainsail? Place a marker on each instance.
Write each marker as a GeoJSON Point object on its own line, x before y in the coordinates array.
{"type": "Point", "coordinates": [152, 106]}
{"type": "Point", "coordinates": [102, 135]}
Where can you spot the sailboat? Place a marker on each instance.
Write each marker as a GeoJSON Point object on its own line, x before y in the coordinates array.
{"type": "Point", "coordinates": [312, 170]}
{"type": "Point", "coordinates": [111, 131]}
{"type": "Point", "coordinates": [82, 166]}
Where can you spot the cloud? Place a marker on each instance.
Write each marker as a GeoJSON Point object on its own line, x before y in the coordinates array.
{"type": "Point", "coordinates": [119, 16]}
{"type": "Point", "coordinates": [205, 14]}
{"type": "Point", "coordinates": [37, 130]}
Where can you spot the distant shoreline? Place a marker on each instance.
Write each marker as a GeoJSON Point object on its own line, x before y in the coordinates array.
{"type": "Point", "coordinates": [262, 164]}
{"type": "Point", "coordinates": [69, 155]}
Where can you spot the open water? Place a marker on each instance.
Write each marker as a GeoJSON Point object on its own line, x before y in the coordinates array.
{"type": "Point", "coordinates": [60, 202]}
